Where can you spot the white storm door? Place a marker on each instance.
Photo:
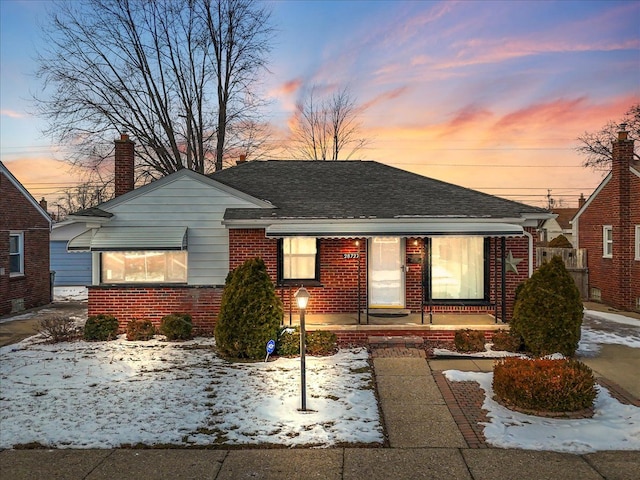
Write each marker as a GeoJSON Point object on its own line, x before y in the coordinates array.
{"type": "Point", "coordinates": [386, 272]}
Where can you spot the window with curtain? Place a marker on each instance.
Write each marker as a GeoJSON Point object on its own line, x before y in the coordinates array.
{"type": "Point", "coordinates": [457, 268]}
{"type": "Point", "coordinates": [16, 253]}
{"type": "Point", "coordinates": [299, 258]}
{"type": "Point", "coordinates": [144, 267]}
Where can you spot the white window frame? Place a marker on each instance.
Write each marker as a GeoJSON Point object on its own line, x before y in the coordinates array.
{"type": "Point", "coordinates": [19, 253]}
{"type": "Point", "coordinates": [607, 244]}
{"type": "Point", "coordinates": [130, 259]}
{"type": "Point", "coordinates": [638, 243]}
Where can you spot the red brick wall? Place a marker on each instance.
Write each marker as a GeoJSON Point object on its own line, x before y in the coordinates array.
{"type": "Point", "coordinates": [361, 337]}
{"type": "Point", "coordinates": [19, 214]}
{"type": "Point", "coordinates": [339, 275]}
{"type": "Point", "coordinates": [154, 302]}
{"type": "Point", "coordinates": [617, 204]}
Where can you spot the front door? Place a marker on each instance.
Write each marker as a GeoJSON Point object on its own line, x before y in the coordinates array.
{"type": "Point", "coordinates": [386, 272]}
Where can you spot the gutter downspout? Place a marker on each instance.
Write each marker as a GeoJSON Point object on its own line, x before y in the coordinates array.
{"type": "Point", "coordinates": [530, 237]}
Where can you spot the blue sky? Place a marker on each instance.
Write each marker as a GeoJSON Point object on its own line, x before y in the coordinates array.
{"type": "Point", "coordinates": [489, 95]}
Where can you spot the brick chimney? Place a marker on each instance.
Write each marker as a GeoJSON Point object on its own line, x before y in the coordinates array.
{"type": "Point", "coordinates": [43, 204]}
{"type": "Point", "coordinates": [581, 200]}
{"type": "Point", "coordinates": [622, 159]}
{"type": "Point", "coordinates": [124, 165]}
{"type": "Point", "coordinates": [242, 159]}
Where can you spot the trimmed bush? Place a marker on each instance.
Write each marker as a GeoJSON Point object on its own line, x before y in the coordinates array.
{"type": "Point", "coordinates": [507, 341]}
{"type": "Point", "coordinates": [560, 242]}
{"type": "Point", "coordinates": [469, 340]}
{"type": "Point", "coordinates": [564, 385]}
{"type": "Point", "coordinates": [319, 343]}
{"type": "Point", "coordinates": [138, 330]}
{"type": "Point", "coordinates": [177, 326]}
{"type": "Point", "coordinates": [548, 311]}
{"type": "Point", "coordinates": [250, 312]}
{"type": "Point", "coordinates": [58, 328]}
{"type": "Point", "coordinates": [100, 328]}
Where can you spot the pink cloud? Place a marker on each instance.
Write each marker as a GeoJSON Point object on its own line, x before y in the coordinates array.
{"type": "Point", "coordinates": [12, 114]}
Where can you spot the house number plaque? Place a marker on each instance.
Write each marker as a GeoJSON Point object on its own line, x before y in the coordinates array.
{"type": "Point", "coordinates": [350, 255]}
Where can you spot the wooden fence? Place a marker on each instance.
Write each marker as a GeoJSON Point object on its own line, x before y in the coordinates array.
{"type": "Point", "coordinates": [574, 259]}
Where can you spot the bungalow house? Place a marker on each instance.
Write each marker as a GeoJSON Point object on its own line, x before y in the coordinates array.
{"type": "Point", "coordinates": [560, 225]}
{"type": "Point", "coordinates": [377, 247]}
{"type": "Point", "coordinates": [24, 247]}
{"type": "Point", "coordinates": [608, 226]}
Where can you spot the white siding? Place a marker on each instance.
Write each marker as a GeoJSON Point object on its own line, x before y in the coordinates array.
{"type": "Point", "coordinates": [196, 205]}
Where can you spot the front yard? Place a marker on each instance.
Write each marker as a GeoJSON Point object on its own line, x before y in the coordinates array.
{"type": "Point", "coordinates": [110, 394]}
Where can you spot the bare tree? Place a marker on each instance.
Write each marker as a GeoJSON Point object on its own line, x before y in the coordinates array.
{"type": "Point", "coordinates": [172, 74]}
{"type": "Point", "coordinates": [327, 128]}
{"type": "Point", "coordinates": [85, 195]}
{"type": "Point", "coordinates": [596, 146]}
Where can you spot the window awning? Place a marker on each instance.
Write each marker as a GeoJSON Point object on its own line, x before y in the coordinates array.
{"type": "Point", "coordinates": [404, 229]}
{"type": "Point", "coordinates": [130, 239]}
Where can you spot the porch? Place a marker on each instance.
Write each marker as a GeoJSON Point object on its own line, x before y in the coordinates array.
{"type": "Point", "coordinates": [386, 329]}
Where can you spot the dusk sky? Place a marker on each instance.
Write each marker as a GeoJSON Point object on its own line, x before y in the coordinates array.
{"type": "Point", "coordinates": [490, 95]}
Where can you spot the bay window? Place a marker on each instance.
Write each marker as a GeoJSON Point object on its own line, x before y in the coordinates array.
{"type": "Point", "coordinates": [144, 267]}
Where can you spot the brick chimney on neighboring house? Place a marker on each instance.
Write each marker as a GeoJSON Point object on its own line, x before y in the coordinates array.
{"type": "Point", "coordinates": [241, 160]}
{"type": "Point", "coordinates": [124, 165]}
{"type": "Point", "coordinates": [622, 159]}
{"type": "Point", "coordinates": [581, 200]}
{"type": "Point", "coordinates": [43, 204]}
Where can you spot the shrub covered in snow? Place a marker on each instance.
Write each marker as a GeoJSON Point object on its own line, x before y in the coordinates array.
{"type": "Point", "coordinates": [140, 330]}
{"type": "Point", "coordinates": [100, 328]}
{"type": "Point", "coordinates": [318, 342]}
{"type": "Point", "coordinates": [250, 312]}
{"type": "Point", "coordinates": [177, 326]}
{"type": "Point", "coordinates": [548, 311]}
{"type": "Point", "coordinates": [468, 340]}
{"type": "Point", "coordinates": [547, 385]}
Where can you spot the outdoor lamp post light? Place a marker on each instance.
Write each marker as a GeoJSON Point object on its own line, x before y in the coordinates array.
{"type": "Point", "coordinates": [302, 298]}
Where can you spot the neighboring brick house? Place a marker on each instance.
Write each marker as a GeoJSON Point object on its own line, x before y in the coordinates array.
{"type": "Point", "coordinates": [363, 237]}
{"type": "Point", "coordinates": [608, 226]}
{"type": "Point", "coordinates": [24, 247]}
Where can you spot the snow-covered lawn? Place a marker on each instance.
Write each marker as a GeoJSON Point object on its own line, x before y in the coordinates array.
{"type": "Point", "coordinates": [614, 426]}
{"type": "Point", "coordinates": [106, 394]}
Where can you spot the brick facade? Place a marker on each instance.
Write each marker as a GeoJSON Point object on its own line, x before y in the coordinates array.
{"type": "Point", "coordinates": [617, 204]}
{"type": "Point", "coordinates": [154, 302]}
{"type": "Point", "coordinates": [342, 278]}
{"type": "Point", "coordinates": [18, 214]}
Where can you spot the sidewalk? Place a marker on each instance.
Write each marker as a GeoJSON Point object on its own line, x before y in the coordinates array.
{"type": "Point", "coordinates": [424, 439]}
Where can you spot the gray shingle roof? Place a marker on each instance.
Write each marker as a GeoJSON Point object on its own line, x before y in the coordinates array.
{"type": "Point", "coordinates": [357, 189]}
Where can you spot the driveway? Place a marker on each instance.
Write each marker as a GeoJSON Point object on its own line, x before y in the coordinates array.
{"type": "Point", "coordinates": [17, 327]}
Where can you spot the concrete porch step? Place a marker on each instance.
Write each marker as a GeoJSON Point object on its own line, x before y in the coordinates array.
{"type": "Point", "coordinates": [388, 312]}
{"type": "Point", "coordinates": [396, 341]}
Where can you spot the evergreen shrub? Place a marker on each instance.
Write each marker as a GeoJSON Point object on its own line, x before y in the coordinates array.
{"type": "Point", "coordinates": [468, 340]}
{"type": "Point", "coordinates": [559, 385]}
{"type": "Point", "coordinates": [138, 330]}
{"type": "Point", "coordinates": [319, 343]}
{"type": "Point", "coordinates": [560, 242]}
{"type": "Point", "coordinates": [250, 312]}
{"type": "Point", "coordinates": [100, 328]}
{"type": "Point", "coordinates": [177, 326]}
{"type": "Point", "coordinates": [548, 311]}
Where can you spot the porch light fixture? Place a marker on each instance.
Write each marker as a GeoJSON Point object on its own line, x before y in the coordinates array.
{"type": "Point", "coordinates": [302, 299]}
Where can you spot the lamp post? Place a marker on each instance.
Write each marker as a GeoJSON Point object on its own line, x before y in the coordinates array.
{"type": "Point", "coordinates": [302, 298]}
